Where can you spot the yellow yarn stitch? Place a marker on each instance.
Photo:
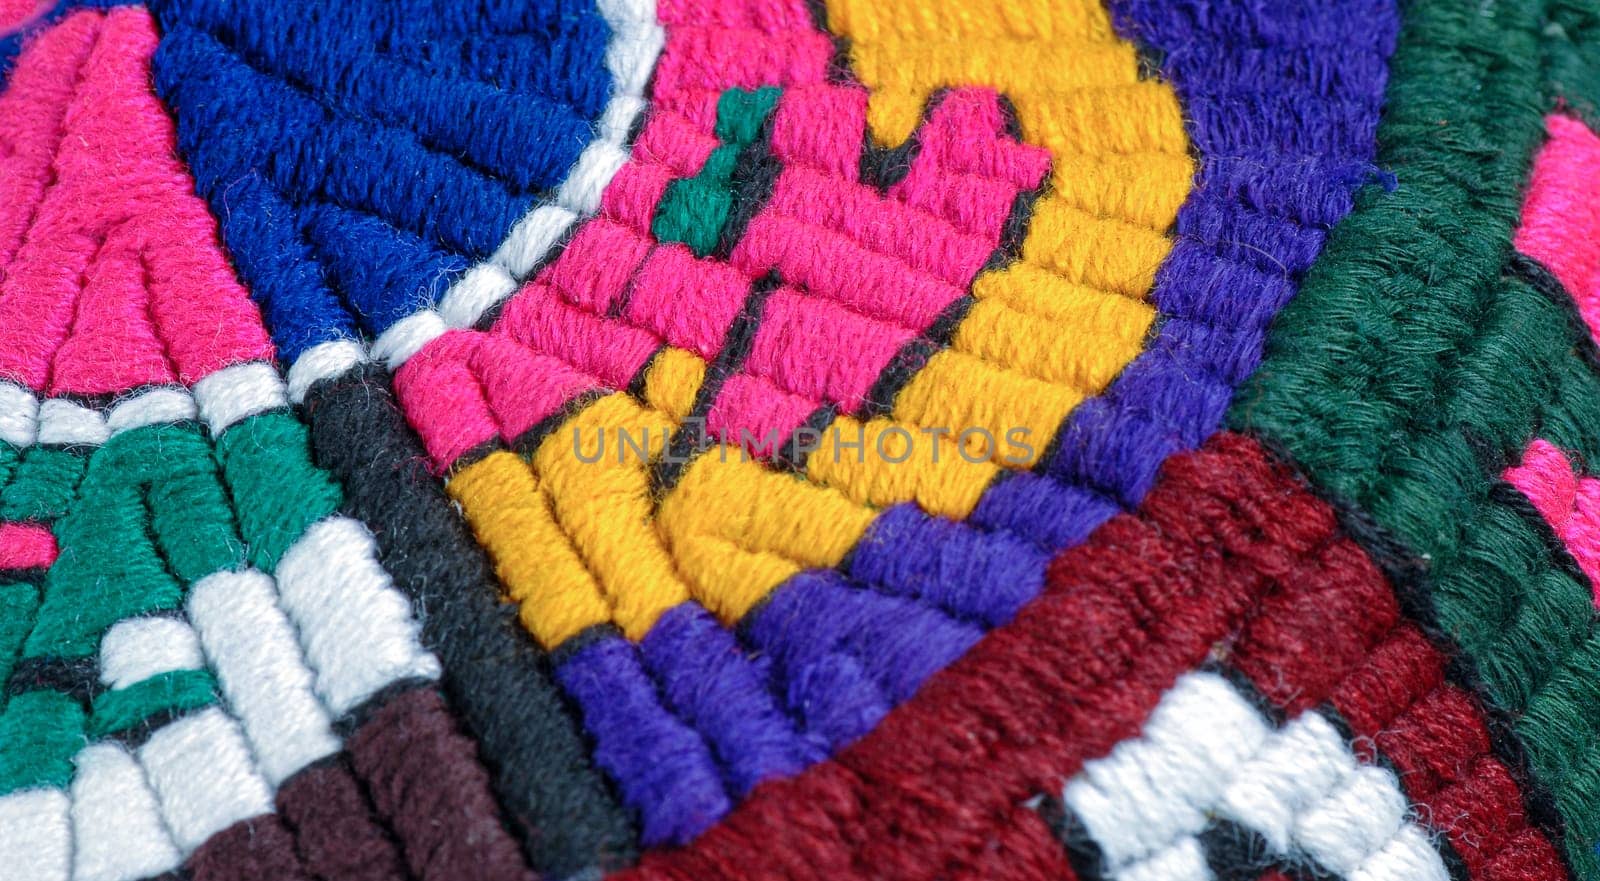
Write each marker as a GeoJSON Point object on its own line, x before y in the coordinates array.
{"type": "Point", "coordinates": [574, 538]}
{"type": "Point", "coordinates": [1012, 303]}
{"type": "Point", "coordinates": [930, 470]}
{"type": "Point", "coordinates": [1061, 322]}
{"type": "Point", "coordinates": [960, 391]}
{"type": "Point", "coordinates": [605, 506]}
{"type": "Point", "coordinates": [571, 538]}
{"type": "Point", "coordinates": [1100, 252]}
{"type": "Point", "coordinates": [514, 521]}
{"type": "Point", "coordinates": [674, 378]}
{"type": "Point", "coordinates": [738, 529]}
{"type": "Point", "coordinates": [868, 21]}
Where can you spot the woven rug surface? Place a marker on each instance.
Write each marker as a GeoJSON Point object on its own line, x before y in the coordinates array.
{"type": "Point", "coordinates": [682, 440]}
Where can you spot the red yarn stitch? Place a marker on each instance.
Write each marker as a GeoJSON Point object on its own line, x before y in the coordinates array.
{"type": "Point", "coordinates": [1226, 537]}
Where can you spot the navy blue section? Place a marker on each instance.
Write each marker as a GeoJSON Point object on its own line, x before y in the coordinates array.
{"type": "Point", "coordinates": [11, 43]}
{"type": "Point", "coordinates": [361, 154]}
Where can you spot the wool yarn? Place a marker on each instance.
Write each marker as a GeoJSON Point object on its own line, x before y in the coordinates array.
{"type": "Point", "coordinates": [744, 439]}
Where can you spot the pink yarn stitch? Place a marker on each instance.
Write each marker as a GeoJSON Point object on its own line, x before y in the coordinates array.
{"type": "Point", "coordinates": [597, 285]}
{"type": "Point", "coordinates": [754, 406]}
{"type": "Point", "coordinates": [798, 341]}
{"type": "Point", "coordinates": [820, 126]}
{"type": "Point", "coordinates": [26, 546]}
{"type": "Point", "coordinates": [1561, 216]}
{"type": "Point", "coordinates": [542, 320]}
{"type": "Point", "coordinates": [17, 14]}
{"type": "Point", "coordinates": [864, 271]}
{"type": "Point", "coordinates": [1566, 501]}
{"type": "Point", "coordinates": [480, 387]}
{"type": "Point", "coordinates": [970, 182]}
{"type": "Point", "coordinates": [690, 302]}
{"type": "Point", "coordinates": [111, 274]}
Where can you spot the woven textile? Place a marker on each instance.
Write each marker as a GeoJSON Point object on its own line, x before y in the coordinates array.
{"type": "Point", "coordinates": [679, 440]}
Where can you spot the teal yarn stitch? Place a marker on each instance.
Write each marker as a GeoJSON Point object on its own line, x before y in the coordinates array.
{"type": "Point", "coordinates": [151, 518]}
{"type": "Point", "coordinates": [1412, 368]}
{"type": "Point", "coordinates": [276, 491]}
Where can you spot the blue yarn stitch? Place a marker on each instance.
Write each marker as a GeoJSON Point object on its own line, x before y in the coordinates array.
{"type": "Point", "coordinates": [361, 154]}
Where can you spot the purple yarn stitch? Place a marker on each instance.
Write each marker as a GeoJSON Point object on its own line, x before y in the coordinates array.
{"type": "Point", "coordinates": [870, 651]}
{"type": "Point", "coordinates": [974, 575]}
{"type": "Point", "coordinates": [1282, 103]}
{"type": "Point", "coordinates": [713, 685]}
{"type": "Point", "coordinates": [662, 766]}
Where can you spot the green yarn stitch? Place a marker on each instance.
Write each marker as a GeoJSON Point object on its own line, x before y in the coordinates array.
{"type": "Point", "coordinates": [18, 602]}
{"type": "Point", "coordinates": [40, 732]}
{"type": "Point", "coordinates": [277, 492]}
{"type": "Point", "coordinates": [9, 457]}
{"type": "Point", "coordinates": [1409, 355]}
{"type": "Point", "coordinates": [152, 517]}
{"type": "Point", "coordinates": [694, 210]}
{"type": "Point", "coordinates": [176, 690]}
{"type": "Point", "coordinates": [741, 112]}
{"type": "Point", "coordinates": [42, 483]}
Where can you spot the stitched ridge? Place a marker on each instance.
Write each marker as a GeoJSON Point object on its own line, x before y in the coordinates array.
{"type": "Point", "coordinates": [1231, 546]}
{"type": "Point", "coordinates": [1496, 587]}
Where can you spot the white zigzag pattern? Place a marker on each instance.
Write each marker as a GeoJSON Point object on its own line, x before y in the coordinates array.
{"type": "Point", "coordinates": [1207, 754]}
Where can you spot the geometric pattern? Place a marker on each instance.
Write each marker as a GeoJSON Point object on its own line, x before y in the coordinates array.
{"type": "Point", "coordinates": [1455, 355]}
{"type": "Point", "coordinates": [668, 439]}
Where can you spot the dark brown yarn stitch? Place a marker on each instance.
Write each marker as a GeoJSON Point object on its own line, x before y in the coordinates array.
{"type": "Point", "coordinates": [335, 832]}
{"type": "Point", "coordinates": [425, 780]}
{"type": "Point", "coordinates": [494, 674]}
{"type": "Point", "coordinates": [257, 849]}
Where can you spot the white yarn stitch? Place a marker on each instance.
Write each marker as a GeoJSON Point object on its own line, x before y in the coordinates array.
{"type": "Point", "coordinates": [222, 399]}
{"type": "Point", "coordinates": [35, 835]}
{"type": "Point", "coordinates": [636, 42]}
{"type": "Point", "coordinates": [237, 392]}
{"type": "Point", "coordinates": [357, 630]}
{"type": "Point", "coordinates": [486, 284]}
{"type": "Point", "coordinates": [580, 192]}
{"type": "Point", "coordinates": [67, 422]}
{"type": "Point", "coordinates": [1293, 771]}
{"type": "Point", "coordinates": [323, 361]}
{"type": "Point", "coordinates": [150, 407]}
{"type": "Point", "coordinates": [135, 649]}
{"type": "Point", "coordinates": [116, 825]}
{"type": "Point", "coordinates": [1408, 856]}
{"type": "Point", "coordinates": [534, 235]}
{"type": "Point", "coordinates": [1356, 820]}
{"type": "Point", "coordinates": [1206, 753]}
{"type": "Point", "coordinates": [1184, 861]}
{"type": "Point", "coordinates": [1157, 787]}
{"type": "Point", "coordinates": [616, 123]}
{"type": "Point", "coordinates": [19, 415]}
{"type": "Point", "coordinates": [200, 769]}
{"type": "Point", "coordinates": [258, 665]}
{"type": "Point", "coordinates": [407, 336]}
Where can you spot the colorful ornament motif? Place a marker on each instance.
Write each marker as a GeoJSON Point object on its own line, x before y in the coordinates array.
{"type": "Point", "coordinates": [697, 439]}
